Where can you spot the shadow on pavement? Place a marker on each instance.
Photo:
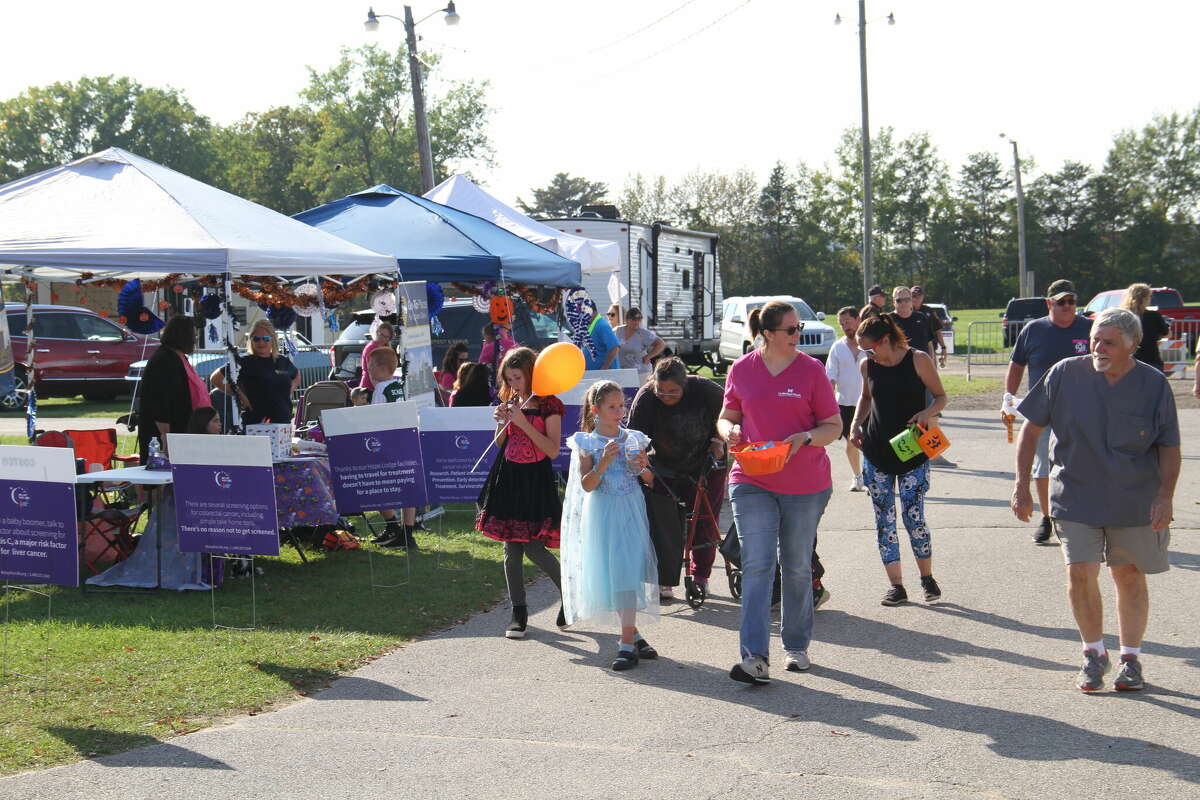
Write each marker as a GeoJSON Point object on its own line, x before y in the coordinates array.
{"type": "Point", "coordinates": [144, 751]}
{"type": "Point", "coordinates": [1189, 654]}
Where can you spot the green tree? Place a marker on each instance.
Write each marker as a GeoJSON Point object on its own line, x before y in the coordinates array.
{"type": "Point", "coordinates": [365, 134]}
{"type": "Point", "coordinates": [564, 196]}
{"type": "Point", "coordinates": [51, 125]}
{"type": "Point", "coordinates": [259, 156]}
{"type": "Point", "coordinates": [645, 200]}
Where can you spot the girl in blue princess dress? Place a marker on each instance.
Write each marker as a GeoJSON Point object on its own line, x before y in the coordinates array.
{"type": "Point", "coordinates": [609, 571]}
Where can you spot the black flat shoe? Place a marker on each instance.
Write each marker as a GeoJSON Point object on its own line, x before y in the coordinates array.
{"type": "Point", "coordinates": [644, 650]}
{"type": "Point", "coordinates": [626, 659]}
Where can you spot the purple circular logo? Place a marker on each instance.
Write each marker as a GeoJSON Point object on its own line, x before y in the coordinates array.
{"type": "Point", "coordinates": [20, 497]}
{"type": "Point", "coordinates": [222, 479]}
{"type": "Point", "coordinates": [372, 444]}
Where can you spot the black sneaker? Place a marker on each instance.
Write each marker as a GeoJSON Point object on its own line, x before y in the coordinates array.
{"type": "Point", "coordinates": [516, 628]}
{"type": "Point", "coordinates": [403, 540]}
{"type": "Point", "coordinates": [561, 620]}
{"type": "Point", "coordinates": [626, 659]}
{"type": "Point", "coordinates": [1043, 532]}
{"type": "Point", "coordinates": [896, 596]}
{"type": "Point", "coordinates": [644, 650]}
{"type": "Point", "coordinates": [390, 532]}
{"type": "Point", "coordinates": [933, 592]}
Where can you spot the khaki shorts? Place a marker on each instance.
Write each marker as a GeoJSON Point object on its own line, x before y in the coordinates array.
{"type": "Point", "coordinates": [1141, 546]}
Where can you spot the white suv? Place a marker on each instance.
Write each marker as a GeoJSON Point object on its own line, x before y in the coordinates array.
{"type": "Point", "coordinates": [736, 341]}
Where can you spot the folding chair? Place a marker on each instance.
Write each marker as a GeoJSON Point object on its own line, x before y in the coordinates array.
{"type": "Point", "coordinates": [322, 395]}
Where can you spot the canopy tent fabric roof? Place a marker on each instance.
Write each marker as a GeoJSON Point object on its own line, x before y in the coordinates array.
{"type": "Point", "coordinates": [116, 213]}
{"type": "Point", "coordinates": [592, 255]}
{"type": "Point", "coordinates": [433, 242]}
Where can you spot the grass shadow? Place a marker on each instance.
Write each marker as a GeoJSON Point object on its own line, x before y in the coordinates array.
{"type": "Point", "coordinates": [134, 749]}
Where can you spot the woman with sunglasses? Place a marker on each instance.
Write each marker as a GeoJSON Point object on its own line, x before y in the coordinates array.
{"type": "Point", "coordinates": [639, 346]}
{"type": "Point", "coordinates": [265, 380]}
{"type": "Point", "coordinates": [897, 379]}
{"type": "Point", "coordinates": [776, 393]}
{"type": "Point", "coordinates": [678, 412]}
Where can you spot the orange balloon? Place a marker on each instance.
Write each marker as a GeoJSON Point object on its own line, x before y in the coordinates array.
{"type": "Point", "coordinates": [558, 368]}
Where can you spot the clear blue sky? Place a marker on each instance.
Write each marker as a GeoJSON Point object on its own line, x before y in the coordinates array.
{"type": "Point", "coordinates": [575, 92]}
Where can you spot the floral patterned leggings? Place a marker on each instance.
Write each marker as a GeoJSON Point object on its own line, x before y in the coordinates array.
{"type": "Point", "coordinates": [882, 488]}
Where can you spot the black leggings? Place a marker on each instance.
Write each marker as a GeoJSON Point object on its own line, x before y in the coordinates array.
{"type": "Point", "coordinates": [514, 567]}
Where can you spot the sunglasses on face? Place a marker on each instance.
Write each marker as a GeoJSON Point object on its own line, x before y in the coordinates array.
{"type": "Point", "coordinates": [1065, 301]}
{"type": "Point", "coordinates": [611, 315]}
{"type": "Point", "coordinates": [790, 330]}
{"type": "Point", "coordinates": [260, 338]}
{"type": "Point", "coordinates": [675, 395]}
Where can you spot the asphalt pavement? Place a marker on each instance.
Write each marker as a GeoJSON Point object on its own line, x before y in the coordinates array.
{"type": "Point", "coordinates": [971, 697]}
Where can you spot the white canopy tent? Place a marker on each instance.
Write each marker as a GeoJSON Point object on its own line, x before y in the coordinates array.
{"type": "Point", "coordinates": [115, 214]}
{"type": "Point", "coordinates": [593, 255]}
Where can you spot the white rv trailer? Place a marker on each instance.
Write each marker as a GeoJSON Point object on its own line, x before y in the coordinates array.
{"type": "Point", "coordinates": [672, 275]}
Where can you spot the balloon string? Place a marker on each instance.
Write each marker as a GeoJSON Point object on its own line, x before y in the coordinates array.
{"type": "Point", "coordinates": [500, 433]}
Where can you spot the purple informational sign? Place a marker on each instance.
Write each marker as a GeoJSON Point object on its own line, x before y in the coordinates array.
{"type": "Point", "coordinates": [452, 439]}
{"type": "Point", "coordinates": [374, 457]}
{"type": "Point", "coordinates": [224, 494]}
{"type": "Point", "coordinates": [627, 379]}
{"type": "Point", "coordinates": [38, 530]}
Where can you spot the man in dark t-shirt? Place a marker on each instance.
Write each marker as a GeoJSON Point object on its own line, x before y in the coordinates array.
{"type": "Point", "coordinates": [1042, 343]}
{"type": "Point", "coordinates": [914, 323]}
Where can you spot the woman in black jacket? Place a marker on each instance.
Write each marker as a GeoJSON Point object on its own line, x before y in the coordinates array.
{"type": "Point", "coordinates": [166, 393]}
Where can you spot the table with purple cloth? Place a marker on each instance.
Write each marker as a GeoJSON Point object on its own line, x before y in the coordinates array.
{"type": "Point", "coordinates": [304, 492]}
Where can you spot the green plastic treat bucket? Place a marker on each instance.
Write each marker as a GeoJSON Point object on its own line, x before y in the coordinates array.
{"type": "Point", "coordinates": [905, 445]}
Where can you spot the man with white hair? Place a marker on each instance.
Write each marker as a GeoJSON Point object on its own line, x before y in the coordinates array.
{"type": "Point", "coordinates": [1115, 460]}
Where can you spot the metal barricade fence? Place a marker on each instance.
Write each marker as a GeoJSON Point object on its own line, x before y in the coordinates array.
{"type": "Point", "coordinates": [1178, 349]}
{"type": "Point", "coordinates": [990, 343]}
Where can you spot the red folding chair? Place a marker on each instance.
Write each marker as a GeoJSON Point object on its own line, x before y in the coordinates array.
{"type": "Point", "coordinates": [107, 519]}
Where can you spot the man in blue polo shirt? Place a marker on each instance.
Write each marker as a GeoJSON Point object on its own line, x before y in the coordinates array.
{"type": "Point", "coordinates": [1042, 343]}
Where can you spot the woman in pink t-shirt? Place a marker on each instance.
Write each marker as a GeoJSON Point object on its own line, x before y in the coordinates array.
{"type": "Point", "coordinates": [382, 337]}
{"type": "Point", "coordinates": [776, 393]}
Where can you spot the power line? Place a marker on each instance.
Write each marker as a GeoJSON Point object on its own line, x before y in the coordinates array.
{"type": "Point", "coordinates": [687, 38]}
{"type": "Point", "coordinates": [645, 27]}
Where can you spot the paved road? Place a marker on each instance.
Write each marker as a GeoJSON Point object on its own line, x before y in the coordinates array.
{"type": "Point", "coordinates": [968, 698]}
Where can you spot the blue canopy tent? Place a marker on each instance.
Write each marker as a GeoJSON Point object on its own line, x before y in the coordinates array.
{"type": "Point", "coordinates": [433, 242]}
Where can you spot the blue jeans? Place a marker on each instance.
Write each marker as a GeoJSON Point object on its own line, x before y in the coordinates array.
{"type": "Point", "coordinates": [776, 528]}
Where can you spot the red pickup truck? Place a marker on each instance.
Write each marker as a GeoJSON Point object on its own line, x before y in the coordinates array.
{"type": "Point", "coordinates": [1167, 302]}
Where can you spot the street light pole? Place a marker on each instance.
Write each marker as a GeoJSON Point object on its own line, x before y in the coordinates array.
{"type": "Point", "coordinates": [420, 121]}
{"type": "Point", "coordinates": [1023, 289]}
{"type": "Point", "coordinates": [424, 149]}
{"type": "Point", "coordinates": [868, 208]}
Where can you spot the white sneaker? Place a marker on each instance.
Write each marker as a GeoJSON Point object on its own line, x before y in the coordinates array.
{"type": "Point", "coordinates": [796, 661]}
{"type": "Point", "coordinates": [666, 594]}
{"type": "Point", "coordinates": [856, 485]}
{"type": "Point", "coordinates": [752, 670]}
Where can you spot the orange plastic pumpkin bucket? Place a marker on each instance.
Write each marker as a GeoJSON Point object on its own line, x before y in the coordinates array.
{"type": "Point", "coordinates": [761, 462]}
{"type": "Point", "coordinates": [932, 441]}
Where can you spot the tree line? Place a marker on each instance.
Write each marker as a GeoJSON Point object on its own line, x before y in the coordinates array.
{"type": "Point", "coordinates": [349, 129]}
{"type": "Point", "coordinates": [953, 231]}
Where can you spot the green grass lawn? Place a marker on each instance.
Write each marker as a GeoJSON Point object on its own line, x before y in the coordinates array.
{"type": "Point", "coordinates": [965, 318]}
{"type": "Point", "coordinates": [58, 407]}
{"type": "Point", "coordinates": [123, 670]}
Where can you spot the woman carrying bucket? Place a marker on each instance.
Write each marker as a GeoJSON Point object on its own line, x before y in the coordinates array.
{"type": "Point", "coordinates": [779, 414]}
{"type": "Point", "coordinates": [894, 428]}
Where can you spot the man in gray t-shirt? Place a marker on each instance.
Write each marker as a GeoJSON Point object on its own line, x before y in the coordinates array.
{"type": "Point", "coordinates": [1116, 460]}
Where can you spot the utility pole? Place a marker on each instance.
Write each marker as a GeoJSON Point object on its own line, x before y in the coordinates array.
{"type": "Point", "coordinates": [868, 208]}
{"type": "Point", "coordinates": [424, 150]}
{"type": "Point", "coordinates": [1023, 287]}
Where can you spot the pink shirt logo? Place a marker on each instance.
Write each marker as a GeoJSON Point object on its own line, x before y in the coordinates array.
{"type": "Point", "coordinates": [790, 392]}
{"type": "Point", "coordinates": [1081, 346]}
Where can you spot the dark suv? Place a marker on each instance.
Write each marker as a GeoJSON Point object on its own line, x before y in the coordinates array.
{"type": "Point", "coordinates": [460, 322]}
{"type": "Point", "coordinates": [1019, 311]}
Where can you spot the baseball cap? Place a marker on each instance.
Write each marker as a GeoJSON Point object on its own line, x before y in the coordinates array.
{"type": "Point", "coordinates": [876, 291]}
{"type": "Point", "coordinates": [1059, 288]}
{"type": "Point", "coordinates": [918, 289]}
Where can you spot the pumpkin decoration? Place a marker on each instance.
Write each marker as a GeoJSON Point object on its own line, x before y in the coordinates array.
{"type": "Point", "coordinates": [500, 309]}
